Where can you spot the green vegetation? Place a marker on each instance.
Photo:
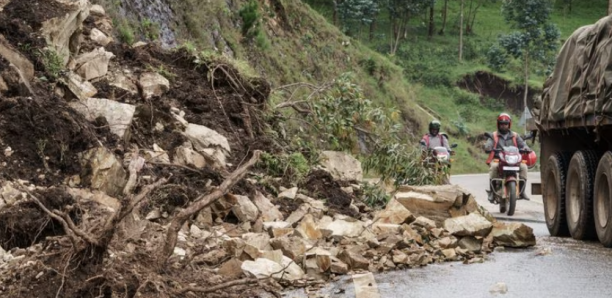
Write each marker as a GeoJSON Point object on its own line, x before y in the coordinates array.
{"type": "Point", "coordinates": [54, 64]}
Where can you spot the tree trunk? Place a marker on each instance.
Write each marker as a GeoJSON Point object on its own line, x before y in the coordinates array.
{"type": "Point", "coordinates": [444, 12]}
{"type": "Point", "coordinates": [526, 91]}
{"type": "Point", "coordinates": [461, 32]}
{"type": "Point", "coordinates": [431, 21]}
{"type": "Point", "coordinates": [372, 29]}
{"type": "Point", "coordinates": [335, 14]}
{"type": "Point", "coordinates": [609, 7]}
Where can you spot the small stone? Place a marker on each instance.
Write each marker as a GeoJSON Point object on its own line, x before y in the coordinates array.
{"type": "Point", "coordinates": [499, 287]}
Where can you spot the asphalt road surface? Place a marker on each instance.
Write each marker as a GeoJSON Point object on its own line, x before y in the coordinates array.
{"type": "Point", "coordinates": [567, 268]}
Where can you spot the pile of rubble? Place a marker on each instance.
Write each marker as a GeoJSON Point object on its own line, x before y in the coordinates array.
{"type": "Point", "coordinates": [121, 121]}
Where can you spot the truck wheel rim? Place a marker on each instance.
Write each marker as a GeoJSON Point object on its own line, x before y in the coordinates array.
{"type": "Point", "coordinates": [602, 198]}
{"type": "Point", "coordinates": [551, 196]}
{"type": "Point", "coordinates": [574, 193]}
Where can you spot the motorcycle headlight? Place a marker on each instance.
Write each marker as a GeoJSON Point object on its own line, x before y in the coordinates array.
{"type": "Point", "coordinates": [512, 159]}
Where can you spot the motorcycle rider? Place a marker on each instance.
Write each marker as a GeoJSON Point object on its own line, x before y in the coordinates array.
{"type": "Point", "coordinates": [434, 138]}
{"type": "Point", "coordinates": [504, 137]}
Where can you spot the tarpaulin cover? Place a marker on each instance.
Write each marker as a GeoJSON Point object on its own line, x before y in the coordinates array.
{"type": "Point", "coordinates": [581, 83]}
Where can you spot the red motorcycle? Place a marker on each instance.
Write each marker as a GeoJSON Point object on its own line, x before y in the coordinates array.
{"type": "Point", "coordinates": [508, 188]}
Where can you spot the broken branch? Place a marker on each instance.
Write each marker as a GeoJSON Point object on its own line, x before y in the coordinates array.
{"type": "Point", "coordinates": [200, 203]}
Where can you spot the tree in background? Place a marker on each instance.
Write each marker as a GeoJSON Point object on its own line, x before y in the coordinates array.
{"type": "Point", "coordinates": [535, 41]}
{"type": "Point", "coordinates": [355, 13]}
{"type": "Point", "coordinates": [400, 12]}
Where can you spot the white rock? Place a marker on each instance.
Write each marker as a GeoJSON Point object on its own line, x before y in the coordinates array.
{"type": "Point", "coordinates": [118, 115]}
{"type": "Point", "coordinates": [94, 64]}
{"type": "Point", "coordinates": [124, 82]}
{"type": "Point", "coordinates": [394, 213]}
{"type": "Point", "coordinates": [99, 37]}
{"type": "Point", "coordinates": [268, 211]}
{"type": "Point", "coordinates": [261, 268]}
{"type": "Point", "coordinates": [180, 252]}
{"type": "Point", "coordinates": [499, 287]}
{"type": "Point", "coordinates": [288, 194]}
{"type": "Point", "coordinates": [244, 209]}
{"type": "Point", "coordinates": [97, 10]}
{"type": "Point", "coordinates": [342, 166]}
{"type": "Point", "coordinates": [208, 142]}
{"type": "Point", "coordinates": [105, 173]}
{"type": "Point", "coordinates": [59, 31]}
{"type": "Point", "coordinates": [473, 224]}
{"type": "Point", "coordinates": [82, 89]}
{"type": "Point", "coordinates": [186, 156]}
{"type": "Point", "coordinates": [153, 84]}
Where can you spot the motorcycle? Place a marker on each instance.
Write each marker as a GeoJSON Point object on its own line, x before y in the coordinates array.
{"type": "Point", "coordinates": [439, 159]}
{"type": "Point", "coordinates": [507, 189]}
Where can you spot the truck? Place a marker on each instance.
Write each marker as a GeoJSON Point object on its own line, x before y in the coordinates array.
{"type": "Point", "coordinates": [572, 121]}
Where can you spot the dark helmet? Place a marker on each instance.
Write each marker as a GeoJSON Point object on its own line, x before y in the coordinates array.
{"type": "Point", "coordinates": [434, 124]}
{"type": "Point", "coordinates": [504, 118]}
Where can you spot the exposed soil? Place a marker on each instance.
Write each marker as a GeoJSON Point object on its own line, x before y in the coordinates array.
{"type": "Point", "coordinates": [322, 185]}
{"type": "Point", "coordinates": [488, 85]}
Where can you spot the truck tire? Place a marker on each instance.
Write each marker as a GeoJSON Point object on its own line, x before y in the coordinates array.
{"type": "Point", "coordinates": [579, 194]}
{"type": "Point", "coordinates": [602, 200]}
{"type": "Point", "coordinates": [553, 194]}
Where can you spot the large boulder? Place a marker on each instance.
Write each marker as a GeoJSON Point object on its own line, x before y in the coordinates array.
{"type": "Point", "coordinates": [436, 202]}
{"type": "Point", "coordinates": [101, 170]}
{"type": "Point", "coordinates": [62, 31]}
{"type": "Point", "coordinates": [473, 224]}
{"type": "Point", "coordinates": [268, 211]}
{"type": "Point", "coordinates": [511, 235]}
{"type": "Point", "coordinates": [118, 115]}
{"type": "Point", "coordinates": [342, 166]}
{"type": "Point", "coordinates": [244, 209]}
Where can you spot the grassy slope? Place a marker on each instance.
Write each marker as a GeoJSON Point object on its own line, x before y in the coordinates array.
{"type": "Point", "coordinates": [313, 50]}
{"type": "Point", "coordinates": [432, 64]}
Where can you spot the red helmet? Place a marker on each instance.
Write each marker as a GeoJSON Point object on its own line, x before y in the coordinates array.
{"type": "Point", "coordinates": [530, 159]}
{"type": "Point", "coordinates": [504, 118]}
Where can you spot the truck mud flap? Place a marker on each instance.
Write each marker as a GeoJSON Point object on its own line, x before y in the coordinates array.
{"type": "Point", "coordinates": [536, 188]}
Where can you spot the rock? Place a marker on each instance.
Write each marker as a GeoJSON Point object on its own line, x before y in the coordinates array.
{"type": "Point", "coordinates": [424, 222]}
{"type": "Point", "coordinates": [99, 37]}
{"type": "Point", "coordinates": [293, 247]}
{"type": "Point", "coordinates": [204, 218]}
{"type": "Point", "coordinates": [411, 234]}
{"type": "Point", "coordinates": [244, 209]}
{"type": "Point", "coordinates": [342, 166]}
{"type": "Point", "coordinates": [268, 211]}
{"type": "Point", "coordinates": [261, 268]}
{"type": "Point", "coordinates": [450, 254]}
{"type": "Point", "coordinates": [97, 10]}
{"type": "Point", "coordinates": [9, 194]}
{"type": "Point", "coordinates": [101, 170]}
{"type": "Point", "coordinates": [118, 115]}
{"type": "Point", "coordinates": [195, 232]}
{"type": "Point", "coordinates": [23, 66]}
{"type": "Point", "coordinates": [499, 287]}
{"type": "Point", "coordinates": [470, 243]}
{"type": "Point", "coordinates": [354, 259]}
{"type": "Point", "coordinates": [469, 225]}
{"type": "Point", "coordinates": [341, 228]}
{"type": "Point", "coordinates": [61, 31]}
{"type": "Point", "coordinates": [156, 155]}
{"type": "Point", "coordinates": [208, 142]}
{"type": "Point", "coordinates": [512, 235]}
{"type": "Point", "coordinates": [436, 202]}
{"type": "Point", "coordinates": [298, 214]}
{"type": "Point", "coordinates": [312, 203]}
{"type": "Point", "coordinates": [288, 194]}
{"type": "Point", "coordinates": [448, 242]}
{"type": "Point", "coordinates": [394, 213]}
{"type": "Point", "coordinates": [274, 255]}
{"type": "Point", "coordinates": [543, 251]}
{"type": "Point", "coordinates": [185, 155]}
{"type": "Point", "coordinates": [153, 214]}
{"type": "Point", "coordinates": [365, 286]}
{"type": "Point", "coordinates": [83, 195]}
{"type": "Point", "coordinates": [307, 228]}
{"type": "Point", "coordinates": [337, 266]}
{"type": "Point", "coordinates": [258, 240]}
{"type": "Point", "coordinates": [231, 269]}
{"type": "Point", "coordinates": [383, 229]}
{"type": "Point", "coordinates": [268, 225]}
{"type": "Point", "coordinates": [93, 64]}
{"type": "Point", "coordinates": [124, 82]}
{"type": "Point", "coordinates": [280, 232]}
{"type": "Point", "coordinates": [180, 252]}
{"type": "Point", "coordinates": [81, 89]}
{"type": "Point", "coordinates": [153, 84]}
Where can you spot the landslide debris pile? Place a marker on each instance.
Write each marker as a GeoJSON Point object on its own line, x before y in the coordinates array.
{"type": "Point", "coordinates": [127, 171]}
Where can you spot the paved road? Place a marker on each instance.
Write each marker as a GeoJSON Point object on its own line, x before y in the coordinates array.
{"type": "Point", "coordinates": [526, 211]}
{"type": "Point", "coordinates": [572, 269]}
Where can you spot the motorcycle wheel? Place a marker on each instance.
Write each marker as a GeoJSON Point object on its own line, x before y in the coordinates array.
{"type": "Point", "coordinates": [511, 188]}
{"type": "Point", "coordinates": [503, 205]}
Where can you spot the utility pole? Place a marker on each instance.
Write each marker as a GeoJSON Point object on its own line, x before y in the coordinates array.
{"type": "Point", "coordinates": [461, 33]}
